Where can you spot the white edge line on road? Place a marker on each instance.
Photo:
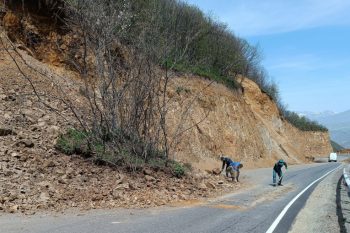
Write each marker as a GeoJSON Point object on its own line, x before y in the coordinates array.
{"type": "Point", "coordinates": [284, 211]}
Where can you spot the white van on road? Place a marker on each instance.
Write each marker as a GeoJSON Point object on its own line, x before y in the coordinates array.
{"type": "Point", "coordinates": [332, 157]}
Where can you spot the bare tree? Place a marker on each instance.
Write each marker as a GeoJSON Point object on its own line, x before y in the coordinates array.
{"type": "Point", "coordinates": [125, 52]}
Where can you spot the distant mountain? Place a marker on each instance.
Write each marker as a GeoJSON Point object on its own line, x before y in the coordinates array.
{"type": "Point", "coordinates": [342, 137]}
{"type": "Point", "coordinates": [338, 120]}
{"type": "Point", "coordinates": [338, 125]}
{"type": "Point", "coordinates": [336, 146]}
{"type": "Point", "coordinates": [316, 115]}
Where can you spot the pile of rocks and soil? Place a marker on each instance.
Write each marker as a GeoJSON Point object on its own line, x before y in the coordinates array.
{"type": "Point", "coordinates": [35, 176]}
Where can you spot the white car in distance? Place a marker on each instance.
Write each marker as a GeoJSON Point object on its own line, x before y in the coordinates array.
{"type": "Point", "coordinates": [332, 157]}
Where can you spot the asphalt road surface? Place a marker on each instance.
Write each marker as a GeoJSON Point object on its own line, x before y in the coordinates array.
{"type": "Point", "coordinates": [251, 210]}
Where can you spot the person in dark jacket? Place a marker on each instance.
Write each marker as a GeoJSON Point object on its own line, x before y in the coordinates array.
{"type": "Point", "coordinates": [226, 161]}
{"type": "Point", "coordinates": [231, 167]}
{"type": "Point", "coordinates": [277, 168]}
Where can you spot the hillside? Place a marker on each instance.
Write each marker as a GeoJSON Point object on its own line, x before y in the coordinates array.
{"type": "Point", "coordinates": [253, 131]}
{"type": "Point", "coordinates": [41, 97]}
{"type": "Point", "coordinates": [35, 176]}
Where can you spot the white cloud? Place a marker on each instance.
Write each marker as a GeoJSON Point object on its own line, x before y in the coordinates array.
{"type": "Point", "coordinates": [260, 17]}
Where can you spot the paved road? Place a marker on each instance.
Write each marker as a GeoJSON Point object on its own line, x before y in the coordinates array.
{"type": "Point", "coordinates": [340, 158]}
{"type": "Point", "coordinates": [252, 210]}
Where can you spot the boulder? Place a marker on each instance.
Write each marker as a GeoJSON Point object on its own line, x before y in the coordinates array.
{"type": "Point", "coordinates": [121, 179]}
{"type": "Point", "coordinates": [7, 116]}
{"type": "Point", "coordinates": [147, 172]}
{"type": "Point", "coordinates": [28, 112]}
{"type": "Point", "coordinates": [150, 178]}
{"type": "Point", "coordinates": [25, 143]}
{"type": "Point", "coordinates": [44, 197]}
{"type": "Point", "coordinates": [210, 185]}
{"type": "Point", "coordinates": [216, 171]}
{"type": "Point", "coordinates": [53, 131]}
{"type": "Point", "coordinates": [45, 184]}
{"type": "Point", "coordinates": [14, 209]}
{"type": "Point", "coordinates": [202, 186]}
{"type": "Point", "coordinates": [124, 186]}
{"type": "Point", "coordinates": [10, 98]}
{"type": "Point", "coordinates": [116, 194]}
{"type": "Point", "coordinates": [49, 163]}
{"type": "Point", "coordinates": [6, 132]}
{"type": "Point", "coordinates": [15, 155]}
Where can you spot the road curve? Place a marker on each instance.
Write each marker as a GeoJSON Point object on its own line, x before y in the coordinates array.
{"type": "Point", "coordinates": [252, 210]}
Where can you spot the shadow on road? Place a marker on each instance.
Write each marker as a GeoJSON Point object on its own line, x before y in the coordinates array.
{"type": "Point", "coordinates": [340, 215]}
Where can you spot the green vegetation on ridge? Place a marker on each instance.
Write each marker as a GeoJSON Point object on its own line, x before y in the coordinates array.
{"type": "Point", "coordinates": [203, 46]}
{"type": "Point", "coordinates": [303, 123]}
{"type": "Point", "coordinates": [131, 37]}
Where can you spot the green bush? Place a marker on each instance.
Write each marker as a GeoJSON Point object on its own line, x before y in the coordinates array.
{"type": "Point", "coordinates": [178, 169]}
{"type": "Point", "coordinates": [207, 73]}
{"type": "Point", "coordinates": [180, 36]}
{"type": "Point", "coordinates": [303, 123]}
{"type": "Point", "coordinates": [73, 142]}
{"type": "Point", "coordinates": [77, 142]}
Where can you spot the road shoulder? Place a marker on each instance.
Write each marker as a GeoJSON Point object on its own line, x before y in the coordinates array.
{"type": "Point", "coordinates": [320, 211]}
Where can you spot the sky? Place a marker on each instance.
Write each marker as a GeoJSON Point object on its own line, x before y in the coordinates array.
{"type": "Point", "coordinates": [305, 46]}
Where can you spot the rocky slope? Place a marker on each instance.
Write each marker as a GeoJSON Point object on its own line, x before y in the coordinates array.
{"type": "Point", "coordinates": [34, 176]}
{"type": "Point", "coordinates": [243, 124]}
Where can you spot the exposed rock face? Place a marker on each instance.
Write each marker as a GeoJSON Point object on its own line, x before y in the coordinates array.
{"type": "Point", "coordinates": [293, 142]}
{"type": "Point", "coordinates": [246, 127]}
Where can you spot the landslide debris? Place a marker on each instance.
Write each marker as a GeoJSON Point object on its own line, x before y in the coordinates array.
{"type": "Point", "coordinates": [34, 176]}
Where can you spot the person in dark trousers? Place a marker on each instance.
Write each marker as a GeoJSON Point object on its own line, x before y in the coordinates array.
{"type": "Point", "coordinates": [277, 168]}
{"type": "Point", "coordinates": [231, 167]}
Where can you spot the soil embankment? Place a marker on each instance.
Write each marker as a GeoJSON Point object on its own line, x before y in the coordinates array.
{"type": "Point", "coordinates": [243, 124]}
{"type": "Point", "coordinates": [247, 127]}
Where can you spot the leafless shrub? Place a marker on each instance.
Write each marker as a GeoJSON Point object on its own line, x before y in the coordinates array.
{"type": "Point", "coordinates": [125, 88]}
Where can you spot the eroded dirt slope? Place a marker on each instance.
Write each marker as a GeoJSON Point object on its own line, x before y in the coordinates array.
{"type": "Point", "coordinates": [34, 176]}
{"type": "Point", "coordinates": [247, 126]}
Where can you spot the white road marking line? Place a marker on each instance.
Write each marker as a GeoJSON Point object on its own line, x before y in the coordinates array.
{"type": "Point", "coordinates": [284, 211]}
{"type": "Point", "coordinates": [115, 222]}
